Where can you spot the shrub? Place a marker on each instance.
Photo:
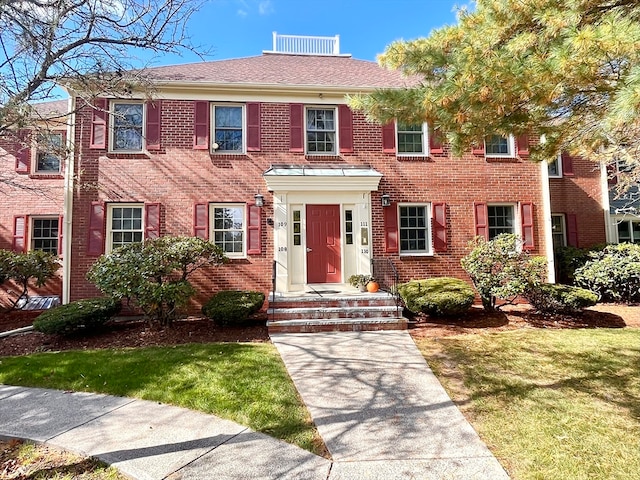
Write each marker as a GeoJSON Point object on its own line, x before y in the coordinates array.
{"type": "Point", "coordinates": [499, 271]}
{"type": "Point", "coordinates": [233, 307]}
{"type": "Point", "coordinates": [34, 266]}
{"type": "Point", "coordinates": [437, 296]}
{"type": "Point", "coordinates": [154, 274]}
{"type": "Point", "coordinates": [613, 273]}
{"type": "Point", "coordinates": [557, 298]}
{"type": "Point", "coordinates": [568, 259]}
{"type": "Point", "coordinates": [88, 315]}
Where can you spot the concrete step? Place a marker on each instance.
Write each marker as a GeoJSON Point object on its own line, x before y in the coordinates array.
{"type": "Point", "coordinates": [336, 325]}
{"type": "Point", "coordinates": [358, 311]}
{"type": "Point", "coordinates": [306, 300]}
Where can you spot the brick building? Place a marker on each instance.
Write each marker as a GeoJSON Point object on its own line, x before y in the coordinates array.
{"type": "Point", "coordinates": [263, 156]}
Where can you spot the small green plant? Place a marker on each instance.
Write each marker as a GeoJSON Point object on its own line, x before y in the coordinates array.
{"type": "Point", "coordinates": [442, 296]}
{"type": "Point", "coordinates": [500, 270]}
{"type": "Point", "coordinates": [613, 273]}
{"type": "Point", "coordinates": [154, 274]}
{"type": "Point", "coordinates": [87, 315]}
{"type": "Point", "coordinates": [558, 298]}
{"type": "Point", "coordinates": [233, 307]}
{"type": "Point", "coordinates": [34, 266]}
{"type": "Point", "coordinates": [359, 280]}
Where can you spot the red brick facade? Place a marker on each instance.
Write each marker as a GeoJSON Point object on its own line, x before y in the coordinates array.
{"type": "Point", "coordinates": [173, 176]}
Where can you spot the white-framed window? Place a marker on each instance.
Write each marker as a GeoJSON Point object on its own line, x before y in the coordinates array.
{"type": "Point", "coordinates": [555, 167]}
{"type": "Point", "coordinates": [415, 237]}
{"type": "Point", "coordinates": [558, 230]}
{"type": "Point", "coordinates": [499, 146]}
{"type": "Point", "coordinates": [228, 124]}
{"type": "Point", "coordinates": [320, 131]}
{"type": "Point", "coordinates": [125, 224]}
{"type": "Point", "coordinates": [228, 228]}
{"type": "Point", "coordinates": [45, 234]}
{"type": "Point", "coordinates": [412, 140]}
{"type": "Point", "coordinates": [48, 153]}
{"type": "Point", "coordinates": [501, 219]}
{"type": "Point", "coordinates": [628, 231]}
{"type": "Point", "coordinates": [127, 126]}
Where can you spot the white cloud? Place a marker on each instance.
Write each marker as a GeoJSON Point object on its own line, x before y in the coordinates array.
{"type": "Point", "coordinates": [242, 13]}
{"type": "Point", "coordinates": [265, 7]}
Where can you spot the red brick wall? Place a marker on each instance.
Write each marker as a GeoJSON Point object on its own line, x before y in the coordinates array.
{"type": "Point", "coordinates": [581, 195]}
{"type": "Point", "coordinates": [26, 194]}
{"type": "Point", "coordinates": [178, 176]}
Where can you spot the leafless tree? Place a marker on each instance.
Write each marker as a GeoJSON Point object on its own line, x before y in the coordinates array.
{"type": "Point", "coordinates": [91, 44]}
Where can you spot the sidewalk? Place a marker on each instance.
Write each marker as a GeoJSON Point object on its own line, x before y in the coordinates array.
{"type": "Point", "coordinates": [151, 441]}
{"type": "Point", "coordinates": [380, 410]}
{"type": "Point", "coordinates": [377, 405]}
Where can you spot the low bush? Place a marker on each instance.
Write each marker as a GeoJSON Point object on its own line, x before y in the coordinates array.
{"type": "Point", "coordinates": [87, 315]}
{"type": "Point", "coordinates": [613, 273]}
{"type": "Point", "coordinates": [442, 296]}
{"type": "Point", "coordinates": [233, 307]}
{"type": "Point", "coordinates": [557, 298]}
{"type": "Point", "coordinates": [568, 259]}
{"type": "Point", "coordinates": [501, 269]}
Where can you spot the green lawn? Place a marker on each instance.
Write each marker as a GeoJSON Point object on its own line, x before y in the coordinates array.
{"type": "Point", "coordinates": [246, 383]}
{"type": "Point", "coordinates": [551, 404]}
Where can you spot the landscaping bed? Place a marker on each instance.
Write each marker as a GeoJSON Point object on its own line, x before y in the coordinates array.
{"type": "Point", "coordinates": [129, 333]}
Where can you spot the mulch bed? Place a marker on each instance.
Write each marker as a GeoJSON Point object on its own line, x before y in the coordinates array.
{"type": "Point", "coordinates": [123, 334]}
{"type": "Point", "coordinates": [516, 317]}
{"type": "Point", "coordinates": [138, 333]}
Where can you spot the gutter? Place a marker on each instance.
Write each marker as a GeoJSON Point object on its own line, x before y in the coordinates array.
{"type": "Point", "coordinates": [68, 203]}
{"type": "Point", "coordinates": [547, 226]}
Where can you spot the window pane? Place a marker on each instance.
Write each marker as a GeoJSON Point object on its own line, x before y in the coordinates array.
{"type": "Point", "coordinates": [321, 131]}
{"type": "Point", "coordinates": [410, 138]}
{"type": "Point", "coordinates": [497, 145]}
{"type": "Point", "coordinates": [624, 234]}
{"type": "Point", "coordinates": [228, 128]}
{"type": "Point", "coordinates": [44, 236]}
{"type": "Point", "coordinates": [127, 126]}
{"type": "Point", "coordinates": [228, 229]}
{"type": "Point", "coordinates": [501, 220]}
{"type": "Point", "coordinates": [229, 117]}
{"type": "Point", "coordinates": [413, 229]}
{"type": "Point", "coordinates": [126, 226]}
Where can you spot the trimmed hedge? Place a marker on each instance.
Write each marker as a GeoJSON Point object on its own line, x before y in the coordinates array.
{"type": "Point", "coordinates": [88, 315]}
{"type": "Point", "coordinates": [233, 307]}
{"type": "Point", "coordinates": [442, 296]}
{"type": "Point", "coordinates": [558, 298]}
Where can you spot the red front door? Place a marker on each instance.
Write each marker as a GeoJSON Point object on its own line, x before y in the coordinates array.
{"type": "Point", "coordinates": [323, 244]}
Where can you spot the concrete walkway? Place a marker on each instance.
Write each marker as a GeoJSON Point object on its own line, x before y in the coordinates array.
{"type": "Point", "coordinates": [380, 410]}
{"type": "Point", "coordinates": [378, 407]}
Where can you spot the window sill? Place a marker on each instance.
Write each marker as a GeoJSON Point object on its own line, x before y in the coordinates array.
{"type": "Point", "coordinates": [414, 158]}
{"type": "Point", "coordinates": [128, 155]}
{"type": "Point", "coordinates": [46, 176]}
{"type": "Point", "coordinates": [325, 156]}
{"type": "Point", "coordinates": [410, 255]}
{"type": "Point", "coordinates": [495, 159]}
{"type": "Point", "coordinates": [228, 156]}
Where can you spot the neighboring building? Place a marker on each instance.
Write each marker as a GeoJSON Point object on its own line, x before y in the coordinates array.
{"type": "Point", "coordinates": [31, 186]}
{"type": "Point", "coordinates": [263, 156]}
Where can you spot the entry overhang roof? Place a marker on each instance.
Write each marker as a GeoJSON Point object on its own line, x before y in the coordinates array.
{"type": "Point", "coordinates": [322, 178]}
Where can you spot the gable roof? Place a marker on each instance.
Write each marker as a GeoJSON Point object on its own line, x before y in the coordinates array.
{"type": "Point", "coordinates": [285, 70]}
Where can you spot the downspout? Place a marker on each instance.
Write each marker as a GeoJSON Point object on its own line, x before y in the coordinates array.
{"type": "Point", "coordinates": [610, 237]}
{"type": "Point", "coordinates": [68, 202]}
{"type": "Point", "coordinates": [547, 226]}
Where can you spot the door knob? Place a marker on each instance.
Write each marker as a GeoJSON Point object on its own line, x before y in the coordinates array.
{"type": "Point", "coordinates": [309, 249]}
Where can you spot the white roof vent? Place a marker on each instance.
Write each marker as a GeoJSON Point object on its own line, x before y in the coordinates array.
{"type": "Point", "coordinates": [306, 45]}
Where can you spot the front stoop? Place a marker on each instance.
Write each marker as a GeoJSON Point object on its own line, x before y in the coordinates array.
{"type": "Point", "coordinates": [345, 311]}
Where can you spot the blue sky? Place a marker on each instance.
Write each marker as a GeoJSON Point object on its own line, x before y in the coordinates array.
{"type": "Point", "coordinates": [241, 28]}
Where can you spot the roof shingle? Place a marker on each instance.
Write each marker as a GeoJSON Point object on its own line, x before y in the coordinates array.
{"type": "Point", "coordinates": [279, 69]}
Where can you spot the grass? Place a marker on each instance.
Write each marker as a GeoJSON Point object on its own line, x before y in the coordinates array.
{"type": "Point", "coordinates": [561, 404]}
{"type": "Point", "coordinates": [26, 460]}
{"type": "Point", "coordinates": [246, 383]}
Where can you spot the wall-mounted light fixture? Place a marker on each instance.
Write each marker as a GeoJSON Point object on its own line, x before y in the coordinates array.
{"type": "Point", "coordinates": [259, 200]}
{"type": "Point", "coordinates": [385, 199]}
